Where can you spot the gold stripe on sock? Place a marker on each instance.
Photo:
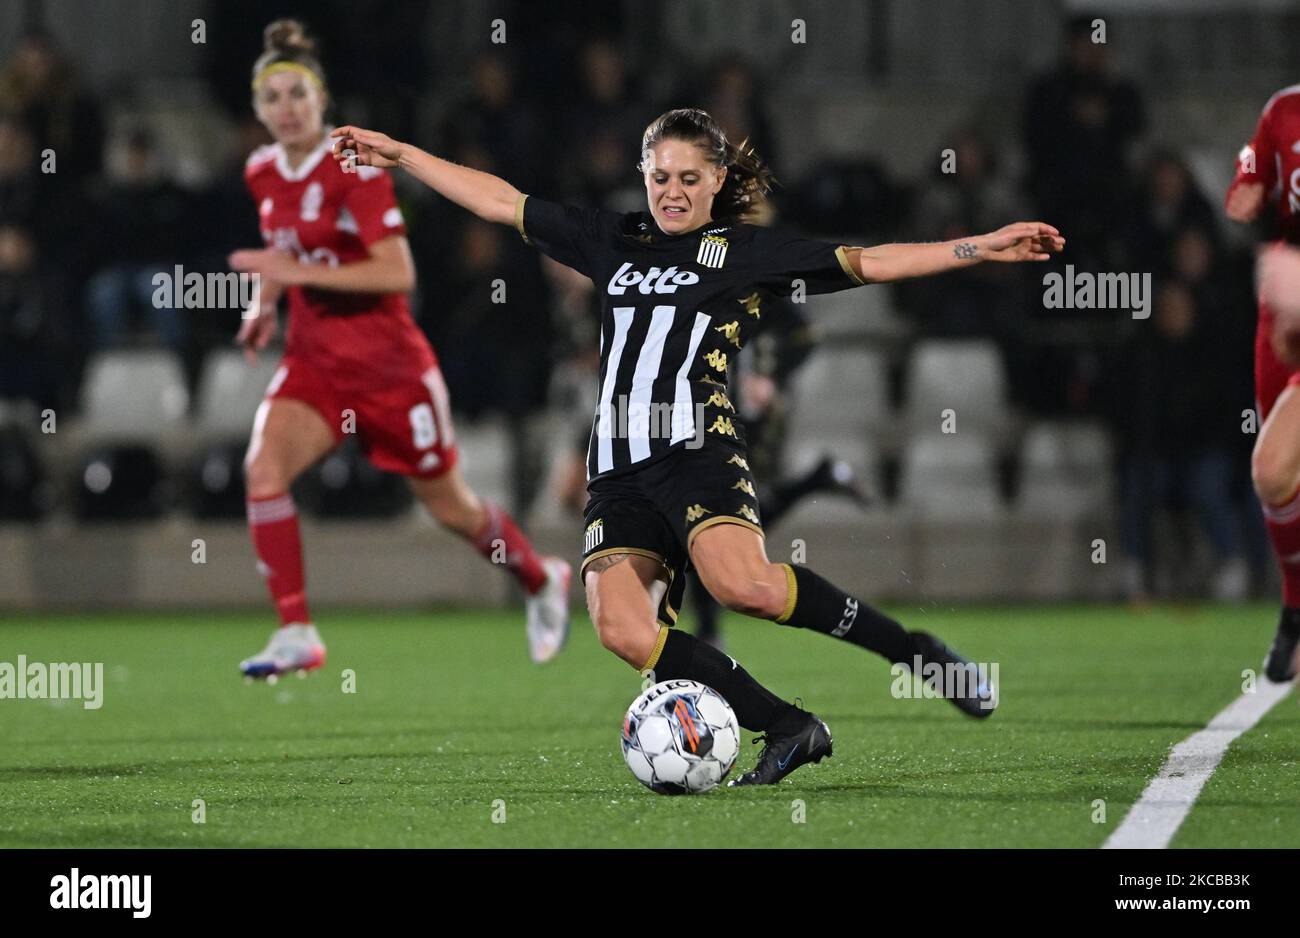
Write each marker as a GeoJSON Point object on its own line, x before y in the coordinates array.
{"type": "Point", "coordinates": [791, 597]}
{"type": "Point", "coordinates": [658, 650]}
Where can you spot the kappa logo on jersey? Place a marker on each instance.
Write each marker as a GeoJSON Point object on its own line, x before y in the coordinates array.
{"type": "Point", "coordinates": [594, 536]}
{"type": "Point", "coordinates": [731, 330]}
{"type": "Point", "coordinates": [749, 515]}
{"type": "Point", "coordinates": [713, 251]}
{"type": "Point", "coordinates": [718, 399]}
{"type": "Point", "coordinates": [745, 486]}
{"type": "Point", "coordinates": [696, 512]}
{"type": "Point", "coordinates": [751, 304]}
{"type": "Point", "coordinates": [724, 426]}
{"type": "Point", "coordinates": [739, 461]}
{"type": "Point", "coordinates": [312, 199]}
{"type": "Point", "coordinates": [656, 280]}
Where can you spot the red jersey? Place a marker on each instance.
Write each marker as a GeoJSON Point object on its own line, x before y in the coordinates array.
{"type": "Point", "coordinates": [323, 215]}
{"type": "Point", "coordinates": [1273, 158]}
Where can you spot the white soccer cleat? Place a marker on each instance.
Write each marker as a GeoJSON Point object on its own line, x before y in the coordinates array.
{"type": "Point", "coordinates": [295, 647]}
{"type": "Point", "coordinates": [548, 612]}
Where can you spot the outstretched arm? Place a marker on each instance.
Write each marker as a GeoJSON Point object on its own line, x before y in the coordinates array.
{"type": "Point", "coordinates": [1023, 241]}
{"type": "Point", "coordinates": [489, 197]}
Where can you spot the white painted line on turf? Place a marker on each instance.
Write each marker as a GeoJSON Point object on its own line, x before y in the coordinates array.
{"type": "Point", "coordinates": [1152, 822]}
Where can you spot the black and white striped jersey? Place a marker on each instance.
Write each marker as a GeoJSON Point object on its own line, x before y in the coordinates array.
{"type": "Point", "coordinates": [675, 309]}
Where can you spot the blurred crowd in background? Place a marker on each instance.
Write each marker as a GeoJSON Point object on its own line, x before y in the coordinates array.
{"type": "Point", "coordinates": [79, 246]}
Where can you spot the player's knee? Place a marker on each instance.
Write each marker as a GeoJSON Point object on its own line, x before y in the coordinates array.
{"type": "Point", "coordinates": [265, 477]}
{"type": "Point", "coordinates": [1273, 476]}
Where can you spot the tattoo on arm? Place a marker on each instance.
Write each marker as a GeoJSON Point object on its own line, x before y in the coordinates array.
{"type": "Point", "coordinates": [964, 251]}
{"type": "Point", "coordinates": [601, 564]}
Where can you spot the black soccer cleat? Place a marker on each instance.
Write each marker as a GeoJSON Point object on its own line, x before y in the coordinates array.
{"type": "Point", "coordinates": [955, 678]}
{"type": "Point", "coordinates": [836, 475]}
{"type": "Point", "coordinates": [782, 753]}
{"type": "Point", "coordinates": [1280, 665]}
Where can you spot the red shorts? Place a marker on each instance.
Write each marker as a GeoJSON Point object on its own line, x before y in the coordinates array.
{"type": "Point", "coordinates": [1272, 377]}
{"type": "Point", "coordinates": [404, 427]}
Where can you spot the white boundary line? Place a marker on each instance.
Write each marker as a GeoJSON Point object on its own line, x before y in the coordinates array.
{"type": "Point", "coordinates": [1154, 819]}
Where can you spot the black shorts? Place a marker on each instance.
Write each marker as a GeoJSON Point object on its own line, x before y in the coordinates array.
{"type": "Point", "coordinates": [656, 511]}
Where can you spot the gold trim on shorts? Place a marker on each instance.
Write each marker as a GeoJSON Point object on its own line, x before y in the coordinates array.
{"type": "Point", "coordinates": [722, 519]}
{"type": "Point", "coordinates": [637, 551]}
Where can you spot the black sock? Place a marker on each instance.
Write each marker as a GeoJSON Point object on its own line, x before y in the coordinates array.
{"type": "Point", "coordinates": [783, 496]}
{"type": "Point", "coordinates": [1289, 624]}
{"type": "Point", "coordinates": [684, 656]}
{"type": "Point", "coordinates": [817, 604]}
{"type": "Point", "coordinates": [706, 610]}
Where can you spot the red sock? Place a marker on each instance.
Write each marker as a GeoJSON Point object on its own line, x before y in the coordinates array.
{"type": "Point", "coordinates": [1284, 531]}
{"type": "Point", "coordinates": [273, 523]}
{"type": "Point", "coordinates": [500, 534]}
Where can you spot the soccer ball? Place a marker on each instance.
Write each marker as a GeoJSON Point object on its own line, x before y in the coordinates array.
{"type": "Point", "coordinates": [680, 738]}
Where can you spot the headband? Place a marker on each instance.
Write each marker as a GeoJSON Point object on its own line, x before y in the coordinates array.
{"type": "Point", "coordinates": [277, 67]}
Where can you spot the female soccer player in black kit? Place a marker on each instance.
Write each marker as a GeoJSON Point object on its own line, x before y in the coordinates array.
{"type": "Point", "coordinates": [668, 478]}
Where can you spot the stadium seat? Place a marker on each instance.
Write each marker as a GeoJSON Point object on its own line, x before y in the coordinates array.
{"type": "Point", "coordinates": [841, 392]}
{"type": "Point", "coordinates": [228, 394]}
{"type": "Point", "coordinates": [137, 396]}
{"type": "Point", "coordinates": [485, 454]}
{"type": "Point", "coordinates": [950, 475]}
{"type": "Point", "coordinates": [1065, 470]}
{"type": "Point", "coordinates": [866, 313]}
{"type": "Point", "coordinates": [966, 376]}
{"type": "Point", "coordinates": [803, 452]}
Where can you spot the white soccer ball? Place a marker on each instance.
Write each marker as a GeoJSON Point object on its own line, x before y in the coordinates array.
{"type": "Point", "coordinates": [680, 738]}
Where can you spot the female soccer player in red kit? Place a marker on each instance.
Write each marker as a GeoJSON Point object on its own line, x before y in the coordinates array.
{"type": "Point", "coordinates": [354, 358]}
{"type": "Point", "coordinates": [1269, 168]}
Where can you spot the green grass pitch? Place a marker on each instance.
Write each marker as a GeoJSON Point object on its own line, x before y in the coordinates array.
{"type": "Point", "coordinates": [450, 720]}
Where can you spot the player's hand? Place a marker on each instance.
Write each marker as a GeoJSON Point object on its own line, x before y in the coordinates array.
{"type": "Point", "coordinates": [270, 265]}
{"type": "Point", "coordinates": [257, 332]}
{"type": "Point", "coordinates": [357, 146]}
{"type": "Point", "coordinates": [757, 392]}
{"type": "Point", "coordinates": [1245, 202]}
{"type": "Point", "coordinates": [1022, 241]}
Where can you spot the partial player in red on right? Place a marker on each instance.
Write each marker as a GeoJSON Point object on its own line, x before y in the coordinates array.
{"type": "Point", "coordinates": [1268, 173]}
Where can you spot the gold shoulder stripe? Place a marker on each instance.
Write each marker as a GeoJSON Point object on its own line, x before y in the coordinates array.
{"type": "Point", "coordinates": [841, 254]}
{"type": "Point", "coordinates": [519, 218]}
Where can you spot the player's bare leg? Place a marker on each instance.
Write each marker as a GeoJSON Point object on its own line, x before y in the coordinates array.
{"type": "Point", "coordinates": [494, 534]}
{"type": "Point", "coordinates": [288, 436]}
{"type": "Point", "coordinates": [623, 594]}
{"type": "Point", "coordinates": [1275, 471]}
{"type": "Point", "coordinates": [733, 566]}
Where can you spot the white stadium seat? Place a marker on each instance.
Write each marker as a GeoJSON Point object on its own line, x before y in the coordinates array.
{"type": "Point", "coordinates": [963, 375]}
{"type": "Point", "coordinates": [950, 475]}
{"type": "Point", "coordinates": [865, 312]}
{"type": "Point", "coordinates": [1065, 470]}
{"type": "Point", "coordinates": [230, 390]}
{"type": "Point", "coordinates": [841, 391]}
{"type": "Point", "coordinates": [484, 460]}
{"type": "Point", "coordinates": [133, 395]}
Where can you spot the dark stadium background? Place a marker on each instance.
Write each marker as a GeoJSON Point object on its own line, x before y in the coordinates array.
{"type": "Point", "coordinates": [1066, 419]}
